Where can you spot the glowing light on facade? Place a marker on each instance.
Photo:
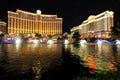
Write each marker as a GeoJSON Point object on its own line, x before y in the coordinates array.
{"type": "Point", "coordinates": [111, 13]}
{"type": "Point", "coordinates": [38, 12]}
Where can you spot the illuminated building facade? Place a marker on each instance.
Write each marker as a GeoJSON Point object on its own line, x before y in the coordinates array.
{"type": "Point", "coordinates": [28, 23]}
{"type": "Point", "coordinates": [96, 26]}
{"type": "Point", "coordinates": [2, 27]}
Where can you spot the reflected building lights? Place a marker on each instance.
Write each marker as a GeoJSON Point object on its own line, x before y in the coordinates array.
{"type": "Point", "coordinates": [102, 42]}
{"type": "Point", "coordinates": [83, 42]}
{"type": "Point", "coordinates": [18, 41]}
{"type": "Point", "coordinates": [99, 42]}
{"type": "Point", "coordinates": [36, 41]}
{"type": "Point", "coordinates": [18, 45]}
{"type": "Point", "coordinates": [112, 67]}
{"type": "Point", "coordinates": [37, 69]}
{"type": "Point", "coordinates": [117, 42]}
{"type": "Point", "coordinates": [92, 64]}
{"type": "Point", "coordinates": [50, 42]}
{"type": "Point", "coordinates": [66, 42]}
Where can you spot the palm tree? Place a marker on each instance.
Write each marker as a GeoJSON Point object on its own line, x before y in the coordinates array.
{"type": "Point", "coordinates": [76, 36]}
{"type": "Point", "coordinates": [65, 36]}
{"type": "Point", "coordinates": [1, 36]}
{"type": "Point", "coordinates": [115, 31]}
{"type": "Point", "coordinates": [39, 36]}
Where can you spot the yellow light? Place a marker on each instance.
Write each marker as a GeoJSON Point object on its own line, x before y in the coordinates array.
{"type": "Point", "coordinates": [99, 42]}
{"type": "Point", "coordinates": [49, 42]}
{"type": "Point", "coordinates": [104, 35]}
{"type": "Point", "coordinates": [66, 42]}
{"type": "Point", "coordinates": [99, 35]}
{"type": "Point", "coordinates": [35, 41]}
{"type": "Point", "coordinates": [83, 42]}
{"type": "Point", "coordinates": [38, 12]}
{"type": "Point", "coordinates": [117, 42]}
{"type": "Point", "coordinates": [111, 12]}
{"type": "Point", "coordinates": [18, 41]}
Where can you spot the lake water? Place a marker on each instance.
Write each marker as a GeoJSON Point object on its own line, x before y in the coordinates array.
{"type": "Point", "coordinates": [56, 61]}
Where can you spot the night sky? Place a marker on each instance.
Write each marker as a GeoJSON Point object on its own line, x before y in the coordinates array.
{"type": "Point", "coordinates": [73, 12]}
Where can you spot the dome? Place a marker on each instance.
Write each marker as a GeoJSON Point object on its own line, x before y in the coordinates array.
{"type": "Point", "coordinates": [38, 11]}
{"type": "Point", "coordinates": [92, 17]}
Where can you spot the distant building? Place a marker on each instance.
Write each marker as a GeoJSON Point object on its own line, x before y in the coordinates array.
{"type": "Point", "coordinates": [2, 27]}
{"type": "Point", "coordinates": [96, 26]}
{"type": "Point", "coordinates": [27, 23]}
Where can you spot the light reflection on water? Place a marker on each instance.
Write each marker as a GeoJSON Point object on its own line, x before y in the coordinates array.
{"type": "Point", "coordinates": [102, 57]}
{"type": "Point", "coordinates": [32, 60]}
{"type": "Point", "coordinates": [24, 57]}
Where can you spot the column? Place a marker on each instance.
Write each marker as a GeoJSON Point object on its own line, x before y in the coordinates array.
{"type": "Point", "coordinates": [9, 24]}
{"type": "Point", "coordinates": [40, 27]}
{"type": "Point", "coordinates": [18, 26]}
{"type": "Point", "coordinates": [14, 24]}
{"type": "Point", "coordinates": [23, 27]}
{"type": "Point", "coordinates": [30, 26]}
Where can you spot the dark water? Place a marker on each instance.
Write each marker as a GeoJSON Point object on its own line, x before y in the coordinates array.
{"type": "Point", "coordinates": [56, 61]}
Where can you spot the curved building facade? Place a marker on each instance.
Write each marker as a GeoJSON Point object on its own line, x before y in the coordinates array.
{"type": "Point", "coordinates": [27, 23]}
{"type": "Point", "coordinates": [96, 26]}
{"type": "Point", "coordinates": [2, 27]}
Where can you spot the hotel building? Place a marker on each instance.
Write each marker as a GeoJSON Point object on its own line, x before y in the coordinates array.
{"type": "Point", "coordinates": [2, 27]}
{"type": "Point", "coordinates": [28, 23]}
{"type": "Point", "coordinates": [96, 26]}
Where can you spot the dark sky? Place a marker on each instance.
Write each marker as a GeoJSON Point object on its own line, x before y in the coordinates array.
{"type": "Point", "coordinates": [73, 12]}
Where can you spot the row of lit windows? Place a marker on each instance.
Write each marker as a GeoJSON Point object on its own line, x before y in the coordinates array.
{"type": "Point", "coordinates": [32, 17]}
{"type": "Point", "coordinates": [13, 30]}
{"type": "Point", "coordinates": [22, 25]}
{"type": "Point", "coordinates": [14, 22]}
{"type": "Point", "coordinates": [103, 24]}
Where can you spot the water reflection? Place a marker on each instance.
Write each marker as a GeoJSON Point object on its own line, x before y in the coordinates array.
{"type": "Point", "coordinates": [92, 64]}
{"type": "Point", "coordinates": [28, 61]}
{"type": "Point", "coordinates": [56, 61]}
{"type": "Point", "coordinates": [3, 54]}
{"type": "Point", "coordinates": [37, 70]}
{"type": "Point", "coordinates": [101, 57]}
